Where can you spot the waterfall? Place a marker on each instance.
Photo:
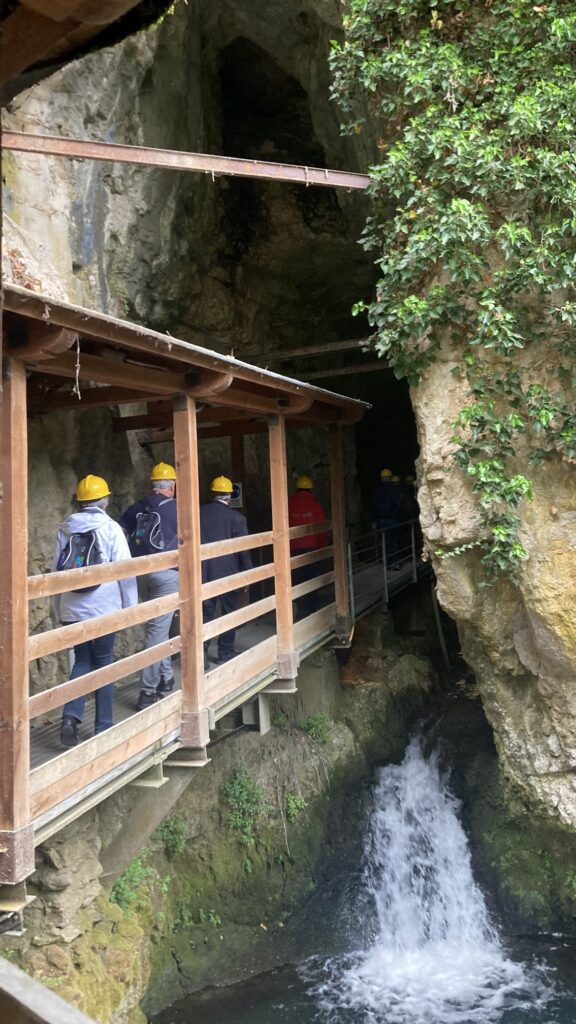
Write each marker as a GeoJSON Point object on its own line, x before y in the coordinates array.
{"type": "Point", "coordinates": [434, 957]}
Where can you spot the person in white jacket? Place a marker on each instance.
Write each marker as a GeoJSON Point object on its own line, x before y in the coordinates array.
{"type": "Point", "coordinates": [91, 526]}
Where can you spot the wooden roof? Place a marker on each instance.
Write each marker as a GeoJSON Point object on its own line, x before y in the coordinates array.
{"type": "Point", "coordinates": [79, 358]}
{"type": "Point", "coordinates": [36, 33]}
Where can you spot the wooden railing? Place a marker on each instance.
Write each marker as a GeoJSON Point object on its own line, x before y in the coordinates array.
{"type": "Point", "coordinates": [25, 1001]}
{"type": "Point", "coordinates": [63, 637]}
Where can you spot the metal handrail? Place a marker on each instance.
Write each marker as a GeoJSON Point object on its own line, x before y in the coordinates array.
{"type": "Point", "coordinates": [381, 563]}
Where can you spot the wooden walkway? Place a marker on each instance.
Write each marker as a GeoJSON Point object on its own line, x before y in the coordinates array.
{"type": "Point", "coordinates": [193, 393]}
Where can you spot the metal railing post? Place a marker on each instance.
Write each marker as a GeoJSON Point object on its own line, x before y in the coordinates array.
{"type": "Point", "coordinates": [351, 600]}
{"type": "Point", "coordinates": [385, 567]}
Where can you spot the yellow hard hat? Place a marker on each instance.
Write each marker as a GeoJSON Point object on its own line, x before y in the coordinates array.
{"type": "Point", "coordinates": [304, 483]}
{"type": "Point", "coordinates": [385, 474]}
{"type": "Point", "coordinates": [91, 488]}
{"type": "Point", "coordinates": [222, 485]}
{"type": "Point", "coordinates": [409, 479]}
{"type": "Point", "coordinates": [396, 479]}
{"type": "Point", "coordinates": [162, 471]}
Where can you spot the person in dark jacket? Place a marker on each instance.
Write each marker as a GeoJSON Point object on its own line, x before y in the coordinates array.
{"type": "Point", "coordinates": [151, 526]}
{"type": "Point", "coordinates": [219, 522]}
{"type": "Point", "coordinates": [386, 513]}
{"type": "Point", "coordinates": [304, 509]}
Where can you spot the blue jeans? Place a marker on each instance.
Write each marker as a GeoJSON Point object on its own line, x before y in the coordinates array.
{"type": "Point", "coordinates": [90, 655]}
{"type": "Point", "coordinates": [158, 584]}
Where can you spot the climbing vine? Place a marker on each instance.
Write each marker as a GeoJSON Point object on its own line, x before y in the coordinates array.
{"type": "Point", "coordinates": [473, 221]}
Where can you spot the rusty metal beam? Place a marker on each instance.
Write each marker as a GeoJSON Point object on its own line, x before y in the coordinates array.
{"type": "Point", "coordinates": [346, 371]}
{"type": "Point", "coordinates": [327, 348]}
{"type": "Point", "coordinates": [171, 159]}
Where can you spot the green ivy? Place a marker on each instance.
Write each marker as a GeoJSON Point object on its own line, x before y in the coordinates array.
{"type": "Point", "coordinates": [473, 222]}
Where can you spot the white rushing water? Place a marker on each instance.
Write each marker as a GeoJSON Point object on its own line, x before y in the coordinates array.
{"type": "Point", "coordinates": [435, 957]}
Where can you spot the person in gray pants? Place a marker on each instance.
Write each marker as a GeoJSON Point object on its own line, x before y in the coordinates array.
{"type": "Point", "coordinates": [152, 526]}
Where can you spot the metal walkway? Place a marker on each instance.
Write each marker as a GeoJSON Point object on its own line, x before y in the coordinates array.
{"type": "Point", "coordinates": [383, 563]}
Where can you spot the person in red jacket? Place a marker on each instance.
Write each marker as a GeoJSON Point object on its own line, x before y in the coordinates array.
{"type": "Point", "coordinates": [304, 509]}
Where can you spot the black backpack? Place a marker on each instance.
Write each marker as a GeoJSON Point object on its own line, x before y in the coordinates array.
{"type": "Point", "coordinates": [81, 550]}
{"type": "Point", "coordinates": [147, 537]}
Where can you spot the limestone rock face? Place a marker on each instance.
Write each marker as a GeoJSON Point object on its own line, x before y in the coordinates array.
{"type": "Point", "coordinates": [521, 642]}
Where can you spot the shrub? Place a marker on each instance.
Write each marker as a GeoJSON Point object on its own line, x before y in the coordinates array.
{"type": "Point", "coordinates": [317, 728]}
{"type": "Point", "coordinates": [173, 834]}
{"type": "Point", "coordinates": [244, 798]}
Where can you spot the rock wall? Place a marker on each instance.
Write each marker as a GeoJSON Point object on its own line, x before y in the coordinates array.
{"type": "Point", "coordinates": [194, 903]}
{"type": "Point", "coordinates": [520, 641]}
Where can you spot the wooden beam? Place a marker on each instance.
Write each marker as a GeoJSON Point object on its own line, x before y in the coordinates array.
{"type": "Point", "coordinates": [239, 617]}
{"type": "Point", "coordinates": [54, 782]}
{"type": "Point", "coordinates": [14, 755]}
{"type": "Point", "coordinates": [64, 637]}
{"type": "Point", "coordinates": [314, 626]}
{"type": "Point", "coordinates": [25, 1001]}
{"type": "Point", "coordinates": [240, 398]}
{"type": "Point", "coordinates": [314, 584]}
{"type": "Point", "coordinates": [47, 584]}
{"type": "Point", "coordinates": [42, 341]}
{"type": "Point", "coordinates": [211, 382]}
{"type": "Point", "coordinates": [126, 335]}
{"type": "Point", "coordinates": [237, 581]}
{"type": "Point", "coordinates": [343, 621]}
{"type": "Point", "coordinates": [26, 37]}
{"type": "Point", "coordinates": [90, 398]}
{"type": "Point", "coordinates": [287, 659]}
{"type": "Point", "coordinates": [195, 728]}
{"type": "Point", "coordinates": [235, 675]}
{"type": "Point", "coordinates": [40, 703]}
{"type": "Point", "coordinates": [111, 371]}
{"type": "Point", "coordinates": [318, 555]}
{"type": "Point", "coordinates": [234, 544]}
{"type": "Point", "coordinates": [16, 839]}
{"type": "Point", "coordinates": [305, 531]}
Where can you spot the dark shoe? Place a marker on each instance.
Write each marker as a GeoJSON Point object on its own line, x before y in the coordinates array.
{"type": "Point", "coordinates": [165, 686]}
{"type": "Point", "coordinates": [226, 656]}
{"type": "Point", "coordinates": [146, 699]}
{"type": "Point", "coordinates": [69, 731]}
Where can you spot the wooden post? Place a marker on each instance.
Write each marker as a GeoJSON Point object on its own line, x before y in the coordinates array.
{"type": "Point", "coordinates": [287, 656]}
{"type": "Point", "coordinates": [343, 619]}
{"type": "Point", "coordinates": [195, 729]}
{"type": "Point", "coordinates": [16, 834]}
